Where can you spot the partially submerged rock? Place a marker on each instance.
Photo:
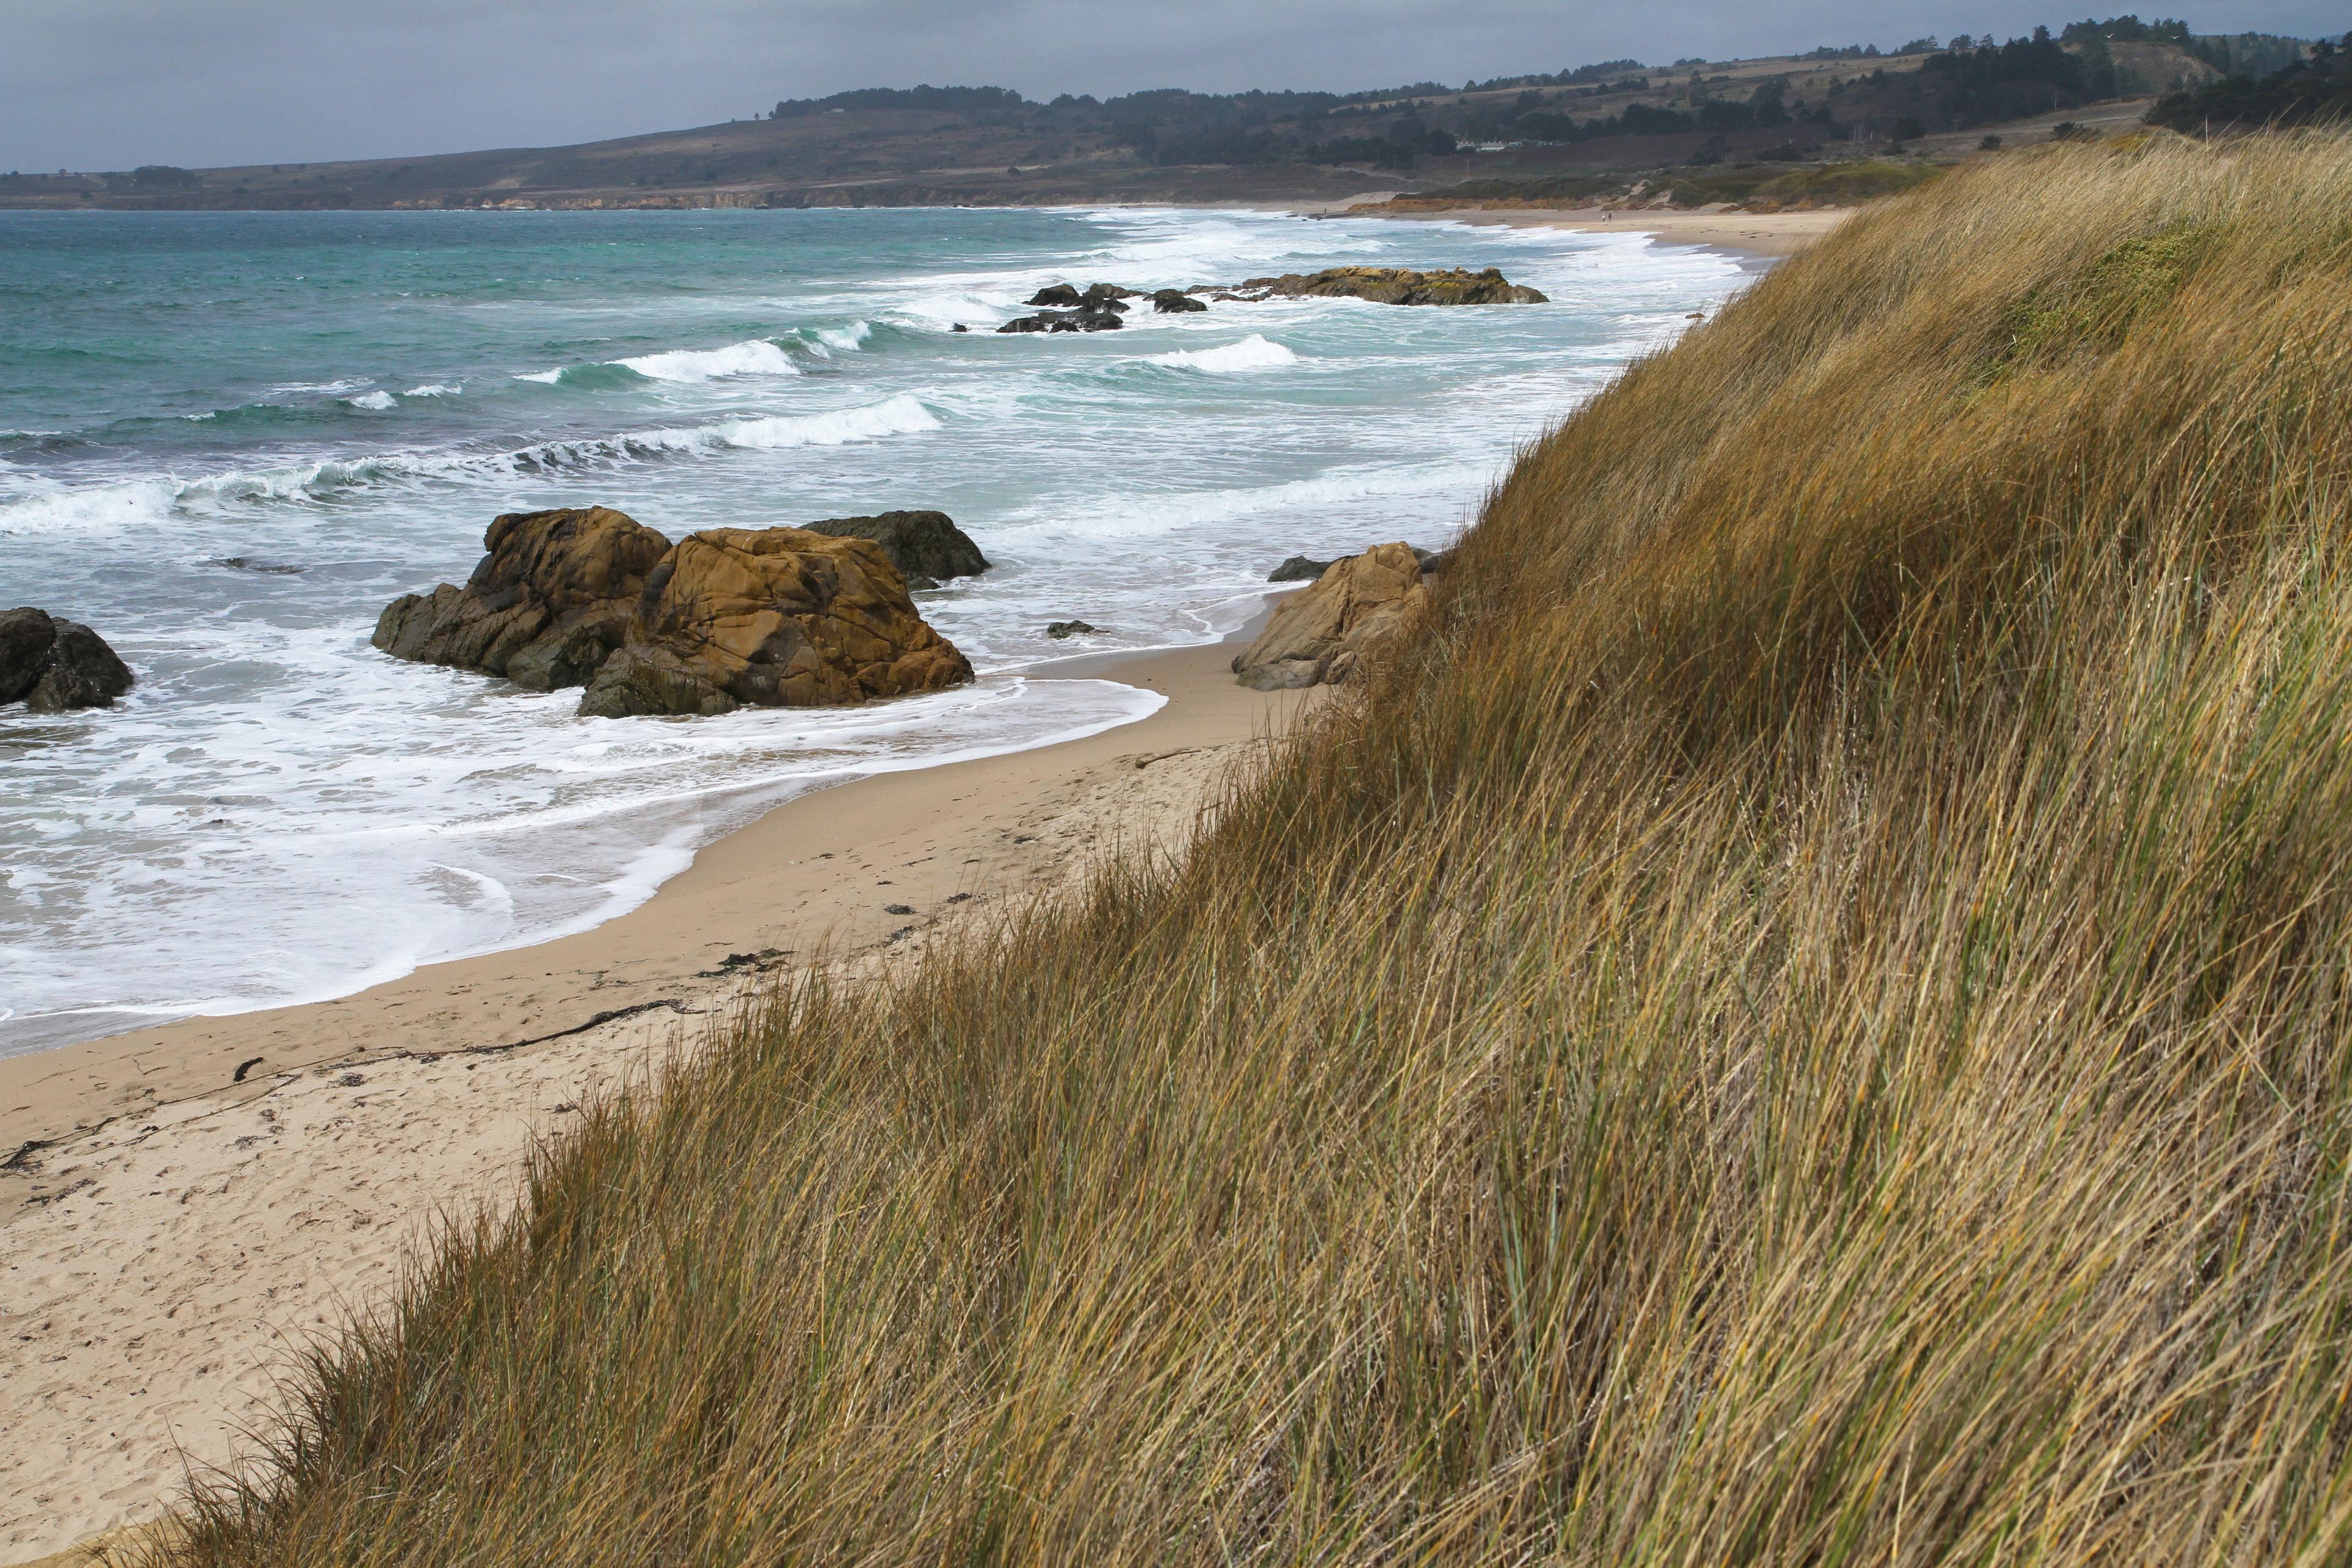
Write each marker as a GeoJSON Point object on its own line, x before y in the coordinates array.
{"type": "Point", "coordinates": [1060, 294]}
{"type": "Point", "coordinates": [53, 666]}
{"type": "Point", "coordinates": [927, 547]}
{"type": "Point", "coordinates": [778, 616]}
{"type": "Point", "coordinates": [1397, 286]}
{"type": "Point", "coordinates": [1062, 630]}
{"type": "Point", "coordinates": [1298, 569]}
{"type": "Point", "coordinates": [1064, 321]}
{"type": "Point", "coordinates": [1174, 302]}
{"type": "Point", "coordinates": [1305, 569]}
{"type": "Point", "coordinates": [544, 608]}
{"type": "Point", "coordinates": [1361, 605]}
{"type": "Point", "coordinates": [772, 617]}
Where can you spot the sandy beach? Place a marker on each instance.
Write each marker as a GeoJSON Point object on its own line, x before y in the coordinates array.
{"type": "Point", "coordinates": [1757, 234]}
{"type": "Point", "coordinates": [186, 1208]}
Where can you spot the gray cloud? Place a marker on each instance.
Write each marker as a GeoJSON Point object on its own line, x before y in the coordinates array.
{"type": "Point", "coordinates": [106, 84]}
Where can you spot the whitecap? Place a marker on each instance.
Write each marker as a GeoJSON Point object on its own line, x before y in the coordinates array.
{"type": "Point", "coordinates": [544, 377]}
{"type": "Point", "coordinates": [438, 389]}
{"type": "Point", "coordinates": [1254, 352]}
{"type": "Point", "coordinates": [901, 415]}
{"type": "Point", "coordinates": [755, 356]}
{"type": "Point", "coordinates": [377, 401]}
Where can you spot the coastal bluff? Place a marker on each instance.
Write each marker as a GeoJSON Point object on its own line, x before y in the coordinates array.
{"type": "Point", "coordinates": [724, 618]}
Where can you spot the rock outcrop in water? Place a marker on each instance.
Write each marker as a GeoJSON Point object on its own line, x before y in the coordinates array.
{"type": "Point", "coordinates": [773, 617]}
{"type": "Point", "coordinates": [1064, 321]}
{"type": "Point", "coordinates": [1360, 604]}
{"type": "Point", "coordinates": [1399, 286]}
{"type": "Point", "coordinates": [547, 605]}
{"type": "Point", "coordinates": [1174, 302]}
{"type": "Point", "coordinates": [725, 618]}
{"type": "Point", "coordinates": [927, 547]}
{"type": "Point", "coordinates": [53, 666]}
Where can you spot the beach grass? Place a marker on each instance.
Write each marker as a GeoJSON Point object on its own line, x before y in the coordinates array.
{"type": "Point", "coordinates": [1809, 1021]}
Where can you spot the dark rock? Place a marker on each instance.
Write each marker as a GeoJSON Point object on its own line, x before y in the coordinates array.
{"type": "Point", "coordinates": [1174, 302]}
{"type": "Point", "coordinates": [1434, 562]}
{"type": "Point", "coordinates": [959, 327]}
{"type": "Point", "coordinates": [923, 545]}
{"type": "Point", "coordinates": [55, 666]}
{"type": "Point", "coordinates": [545, 606]}
{"type": "Point", "coordinates": [247, 563]}
{"type": "Point", "coordinates": [1062, 294]}
{"type": "Point", "coordinates": [1400, 286]}
{"type": "Point", "coordinates": [24, 638]}
{"type": "Point", "coordinates": [1058, 630]}
{"type": "Point", "coordinates": [1105, 297]}
{"type": "Point", "coordinates": [1091, 321]}
{"type": "Point", "coordinates": [1298, 569]}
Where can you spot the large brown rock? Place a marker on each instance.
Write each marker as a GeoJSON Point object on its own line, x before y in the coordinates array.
{"type": "Point", "coordinates": [545, 607]}
{"type": "Point", "coordinates": [1401, 286]}
{"type": "Point", "coordinates": [1359, 607]}
{"type": "Point", "coordinates": [772, 617]}
{"type": "Point", "coordinates": [54, 666]}
{"type": "Point", "coordinates": [767, 618]}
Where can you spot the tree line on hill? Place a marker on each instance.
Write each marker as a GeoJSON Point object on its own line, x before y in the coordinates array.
{"type": "Point", "coordinates": [1952, 86]}
{"type": "Point", "coordinates": [2312, 90]}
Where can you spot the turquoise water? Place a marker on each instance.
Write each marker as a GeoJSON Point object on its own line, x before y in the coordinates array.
{"type": "Point", "coordinates": [339, 403]}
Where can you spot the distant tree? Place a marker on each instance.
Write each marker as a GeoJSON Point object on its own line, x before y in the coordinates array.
{"type": "Point", "coordinates": [1990, 143]}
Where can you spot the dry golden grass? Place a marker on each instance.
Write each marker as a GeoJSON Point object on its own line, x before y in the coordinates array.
{"type": "Point", "coordinates": [1809, 1025]}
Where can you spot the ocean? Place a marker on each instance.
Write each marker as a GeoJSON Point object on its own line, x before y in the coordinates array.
{"type": "Point", "coordinates": [226, 440]}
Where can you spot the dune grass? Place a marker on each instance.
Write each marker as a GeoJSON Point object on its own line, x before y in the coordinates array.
{"type": "Point", "coordinates": [1807, 1024]}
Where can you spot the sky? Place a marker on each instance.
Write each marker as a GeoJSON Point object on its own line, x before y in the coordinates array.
{"type": "Point", "coordinates": [111, 84]}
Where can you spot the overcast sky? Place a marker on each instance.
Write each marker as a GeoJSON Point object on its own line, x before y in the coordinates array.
{"type": "Point", "coordinates": [109, 84]}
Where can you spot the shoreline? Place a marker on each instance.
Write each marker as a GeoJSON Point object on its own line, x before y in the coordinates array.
{"type": "Point", "coordinates": [183, 1219]}
{"type": "Point", "coordinates": [1770, 235]}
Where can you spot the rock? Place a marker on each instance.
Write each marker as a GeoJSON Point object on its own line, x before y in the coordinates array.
{"type": "Point", "coordinates": [545, 607]}
{"type": "Point", "coordinates": [924, 546]}
{"type": "Point", "coordinates": [1174, 302]}
{"type": "Point", "coordinates": [1064, 321]}
{"type": "Point", "coordinates": [725, 618]}
{"type": "Point", "coordinates": [959, 327]}
{"type": "Point", "coordinates": [1400, 286]}
{"type": "Point", "coordinates": [1105, 297]}
{"type": "Point", "coordinates": [1061, 294]}
{"type": "Point", "coordinates": [772, 617]}
{"type": "Point", "coordinates": [1361, 605]}
{"type": "Point", "coordinates": [54, 666]}
{"type": "Point", "coordinates": [1298, 569]}
{"type": "Point", "coordinates": [247, 563]}
{"type": "Point", "coordinates": [24, 638]}
{"type": "Point", "coordinates": [1060, 630]}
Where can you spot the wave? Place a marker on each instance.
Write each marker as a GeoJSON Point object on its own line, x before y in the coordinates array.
{"type": "Point", "coordinates": [438, 389]}
{"type": "Point", "coordinates": [61, 509]}
{"type": "Point", "coordinates": [375, 401]}
{"type": "Point", "coordinates": [827, 341]}
{"type": "Point", "coordinates": [754, 356]}
{"type": "Point", "coordinates": [1253, 352]}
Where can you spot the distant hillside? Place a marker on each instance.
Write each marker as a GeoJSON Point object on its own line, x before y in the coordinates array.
{"type": "Point", "coordinates": [987, 145]}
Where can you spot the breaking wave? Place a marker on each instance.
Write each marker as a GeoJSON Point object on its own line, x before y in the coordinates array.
{"type": "Point", "coordinates": [115, 505]}
{"type": "Point", "coordinates": [1253, 352]}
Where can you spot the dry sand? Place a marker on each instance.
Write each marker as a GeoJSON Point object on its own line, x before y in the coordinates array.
{"type": "Point", "coordinates": [188, 1207]}
{"type": "Point", "coordinates": [1757, 234]}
